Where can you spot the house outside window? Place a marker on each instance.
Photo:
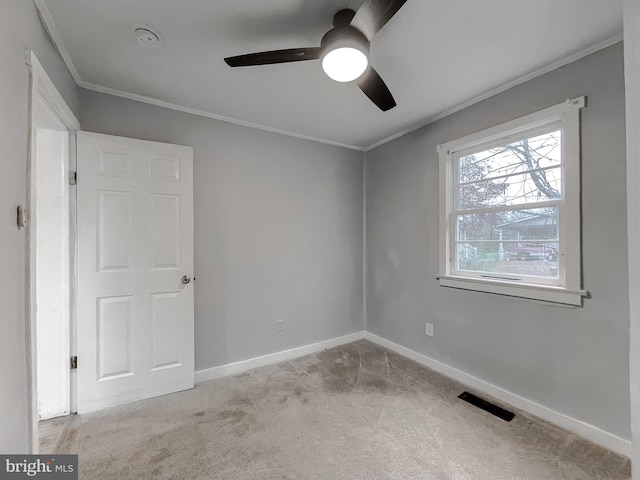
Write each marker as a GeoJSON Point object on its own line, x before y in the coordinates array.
{"type": "Point", "coordinates": [510, 208]}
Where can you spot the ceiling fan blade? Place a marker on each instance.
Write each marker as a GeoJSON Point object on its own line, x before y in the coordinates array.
{"type": "Point", "coordinates": [374, 87]}
{"type": "Point", "coordinates": [374, 14]}
{"type": "Point", "coordinates": [274, 56]}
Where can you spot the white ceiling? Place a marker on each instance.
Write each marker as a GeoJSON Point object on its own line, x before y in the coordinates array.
{"type": "Point", "coordinates": [434, 55]}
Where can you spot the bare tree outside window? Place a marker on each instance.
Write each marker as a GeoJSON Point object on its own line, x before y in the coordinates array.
{"type": "Point", "coordinates": [507, 207]}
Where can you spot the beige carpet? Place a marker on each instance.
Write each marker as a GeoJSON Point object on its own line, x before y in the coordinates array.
{"type": "Point", "coordinates": [353, 412]}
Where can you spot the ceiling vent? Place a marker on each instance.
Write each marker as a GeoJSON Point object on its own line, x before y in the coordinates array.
{"type": "Point", "coordinates": [146, 37]}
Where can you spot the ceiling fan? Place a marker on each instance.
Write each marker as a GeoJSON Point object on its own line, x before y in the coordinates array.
{"type": "Point", "coordinates": [344, 50]}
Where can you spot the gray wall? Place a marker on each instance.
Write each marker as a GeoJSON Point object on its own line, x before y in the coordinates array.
{"type": "Point", "coordinates": [279, 235]}
{"type": "Point", "coordinates": [278, 229]}
{"type": "Point", "coordinates": [19, 30]}
{"type": "Point", "coordinates": [572, 360]}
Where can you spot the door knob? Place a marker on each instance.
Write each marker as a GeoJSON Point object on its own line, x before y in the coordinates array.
{"type": "Point", "coordinates": [186, 279]}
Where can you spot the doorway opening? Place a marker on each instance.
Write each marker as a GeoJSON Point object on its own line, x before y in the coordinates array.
{"type": "Point", "coordinates": [51, 245]}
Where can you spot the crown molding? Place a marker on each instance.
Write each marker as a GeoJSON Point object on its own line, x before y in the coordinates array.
{"type": "Point", "coordinates": [490, 93]}
{"type": "Point", "coordinates": [51, 27]}
{"type": "Point", "coordinates": [202, 113]}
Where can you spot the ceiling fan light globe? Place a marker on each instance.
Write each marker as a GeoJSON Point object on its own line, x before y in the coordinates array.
{"type": "Point", "coordinates": [345, 64]}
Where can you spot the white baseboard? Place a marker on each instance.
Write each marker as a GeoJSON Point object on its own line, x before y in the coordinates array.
{"type": "Point", "coordinates": [585, 430]}
{"type": "Point", "coordinates": [271, 359]}
{"type": "Point", "coordinates": [594, 434]}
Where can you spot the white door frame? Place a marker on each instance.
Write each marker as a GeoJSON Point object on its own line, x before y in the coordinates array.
{"type": "Point", "coordinates": [632, 94]}
{"type": "Point", "coordinates": [43, 89]}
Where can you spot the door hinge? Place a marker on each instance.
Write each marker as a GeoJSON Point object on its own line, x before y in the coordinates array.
{"type": "Point", "coordinates": [73, 178]}
{"type": "Point", "coordinates": [74, 362]}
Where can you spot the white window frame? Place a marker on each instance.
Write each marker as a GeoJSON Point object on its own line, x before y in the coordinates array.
{"type": "Point", "coordinates": [567, 289]}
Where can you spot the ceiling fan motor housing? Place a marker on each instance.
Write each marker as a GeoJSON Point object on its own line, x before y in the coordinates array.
{"type": "Point", "coordinates": [344, 37]}
{"type": "Point", "coordinates": [344, 50]}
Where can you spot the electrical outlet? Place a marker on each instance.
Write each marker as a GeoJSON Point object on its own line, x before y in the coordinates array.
{"type": "Point", "coordinates": [280, 326]}
{"type": "Point", "coordinates": [428, 329]}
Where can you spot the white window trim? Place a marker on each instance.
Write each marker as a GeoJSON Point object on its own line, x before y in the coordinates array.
{"type": "Point", "coordinates": [567, 116]}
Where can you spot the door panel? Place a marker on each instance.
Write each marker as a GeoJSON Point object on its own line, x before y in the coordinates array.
{"type": "Point", "coordinates": [115, 230]}
{"type": "Point", "coordinates": [115, 337]}
{"type": "Point", "coordinates": [135, 332]}
{"type": "Point", "coordinates": [165, 218]}
{"type": "Point", "coordinates": [165, 308]}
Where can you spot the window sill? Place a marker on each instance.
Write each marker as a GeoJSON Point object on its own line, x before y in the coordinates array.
{"type": "Point", "coordinates": [541, 293]}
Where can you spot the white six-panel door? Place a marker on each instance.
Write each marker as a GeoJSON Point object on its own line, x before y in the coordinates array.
{"type": "Point", "coordinates": [135, 333]}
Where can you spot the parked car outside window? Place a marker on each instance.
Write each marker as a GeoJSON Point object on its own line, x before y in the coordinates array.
{"type": "Point", "coordinates": [532, 252]}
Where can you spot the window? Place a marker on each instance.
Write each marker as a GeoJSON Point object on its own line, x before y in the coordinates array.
{"type": "Point", "coordinates": [510, 208]}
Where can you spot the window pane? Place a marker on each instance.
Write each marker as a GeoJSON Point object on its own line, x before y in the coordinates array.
{"type": "Point", "coordinates": [532, 259]}
{"type": "Point", "coordinates": [538, 186]}
{"type": "Point", "coordinates": [528, 155]}
{"type": "Point", "coordinates": [541, 151]}
{"type": "Point", "coordinates": [518, 225]}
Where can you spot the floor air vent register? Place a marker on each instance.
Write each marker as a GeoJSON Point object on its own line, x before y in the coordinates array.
{"type": "Point", "coordinates": [505, 415]}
